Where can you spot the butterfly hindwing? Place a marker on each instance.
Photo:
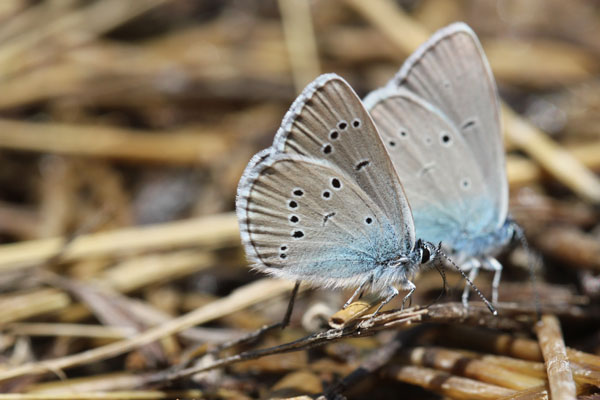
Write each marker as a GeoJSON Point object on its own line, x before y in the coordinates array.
{"type": "Point", "coordinates": [302, 218]}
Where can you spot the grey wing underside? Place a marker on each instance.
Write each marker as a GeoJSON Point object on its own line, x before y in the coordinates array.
{"type": "Point", "coordinates": [290, 229]}
{"type": "Point", "coordinates": [450, 71]}
{"type": "Point", "coordinates": [448, 192]}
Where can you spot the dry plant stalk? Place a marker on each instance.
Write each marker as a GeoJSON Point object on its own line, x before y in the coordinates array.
{"type": "Point", "coordinates": [300, 40]}
{"type": "Point", "coordinates": [244, 297]}
{"type": "Point", "coordinates": [481, 370]}
{"type": "Point", "coordinates": [560, 376]}
{"type": "Point", "coordinates": [177, 147]}
{"type": "Point", "coordinates": [354, 310]}
{"type": "Point", "coordinates": [446, 384]}
{"type": "Point", "coordinates": [215, 230]}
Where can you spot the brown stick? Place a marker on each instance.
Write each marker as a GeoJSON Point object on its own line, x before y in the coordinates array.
{"type": "Point", "coordinates": [560, 376]}
{"type": "Point", "coordinates": [449, 385]}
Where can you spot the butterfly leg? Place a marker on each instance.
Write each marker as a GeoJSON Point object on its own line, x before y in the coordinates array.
{"type": "Point", "coordinates": [253, 336]}
{"type": "Point", "coordinates": [411, 289]}
{"type": "Point", "coordinates": [473, 265]}
{"type": "Point", "coordinates": [391, 293]}
{"type": "Point", "coordinates": [491, 264]}
{"type": "Point", "coordinates": [358, 291]}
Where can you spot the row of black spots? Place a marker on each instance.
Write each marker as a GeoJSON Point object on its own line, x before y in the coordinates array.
{"type": "Point", "coordinates": [342, 125]}
{"type": "Point", "coordinates": [334, 134]}
{"type": "Point", "coordinates": [293, 218]}
{"type": "Point", "coordinates": [282, 251]}
{"type": "Point", "coordinates": [445, 139]}
{"type": "Point", "coordinates": [368, 220]}
{"type": "Point", "coordinates": [402, 134]}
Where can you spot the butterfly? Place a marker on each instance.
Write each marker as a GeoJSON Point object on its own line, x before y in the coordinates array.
{"type": "Point", "coordinates": [324, 203]}
{"type": "Point", "coordinates": [439, 118]}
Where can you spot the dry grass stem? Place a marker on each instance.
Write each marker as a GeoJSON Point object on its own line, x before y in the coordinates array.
{"type": "Point", "coordinates": [300, 41]}
{"type": "Point", "coordinates": [242, 298]}
{"type": "Point", "coordinates": [354, 310]}
{"type": "Point", "coordinates": [560, 376]}
{"type": "Point", "coordinates": [218, 230]}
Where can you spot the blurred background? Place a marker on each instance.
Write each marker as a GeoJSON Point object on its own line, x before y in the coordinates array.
{"type": "Point", "coordinates": [125, 126]}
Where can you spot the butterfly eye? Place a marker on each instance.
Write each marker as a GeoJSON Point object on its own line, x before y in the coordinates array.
{"type": "Point", "coordinates": [425, 255]}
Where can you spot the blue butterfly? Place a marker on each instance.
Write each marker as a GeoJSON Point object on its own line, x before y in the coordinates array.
{"type": "Point", "coordinates": [439, 118]}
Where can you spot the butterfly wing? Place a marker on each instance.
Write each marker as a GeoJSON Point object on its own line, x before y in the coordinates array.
{"type": "Point", "coordinates": [446, 187]}
{"type": "Point", "coordinates": [329, 122]}
{"type": "Point", "coordinates": [302, 218]}
{"type": "Point", "coordinates": [450, 71]}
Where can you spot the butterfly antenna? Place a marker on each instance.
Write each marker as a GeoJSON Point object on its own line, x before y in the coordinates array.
{"type": "Point", "coordinates": [439, 266]}
{"type": "Point", "coordinates": [486, 301]}
{"type": "Point", "coordinates": [532, 261]}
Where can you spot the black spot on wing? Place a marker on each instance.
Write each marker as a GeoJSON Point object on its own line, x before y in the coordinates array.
{"type": "Point", "coordinates": [326, 217]}
{"type": "Point", "coordinates": [362, 164]}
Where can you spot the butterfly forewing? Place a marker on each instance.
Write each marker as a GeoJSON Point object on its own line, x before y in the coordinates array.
{"type": "Point", "coordinates": [329, 122]}
{"type": "Point", "coordinates": [306, 219]}
{"type": "Point", "coordinates": [451, 72]}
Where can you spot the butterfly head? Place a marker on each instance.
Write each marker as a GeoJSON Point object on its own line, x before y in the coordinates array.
{"type": "Point", "coordinates": [426, 251]}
